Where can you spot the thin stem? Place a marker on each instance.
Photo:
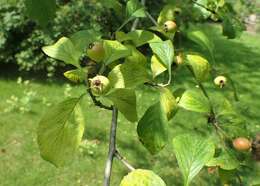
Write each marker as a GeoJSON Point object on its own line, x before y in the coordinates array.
{"type": "Point", "coordinates": [124, 161]}
{"type": "Point", "coordinates": [124, 23]}
{"type": "Point", "coordinates": [112, 148]}
{"type": "Point", "coordinates": [136, 21]}
{"type": "Point", "coordinates": [151, 18]}
{"type": "Point", "coordinates": [239, 179]}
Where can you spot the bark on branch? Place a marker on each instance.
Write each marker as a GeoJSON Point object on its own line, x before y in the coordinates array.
{"type": "Point", "coordinates": [112, 147]}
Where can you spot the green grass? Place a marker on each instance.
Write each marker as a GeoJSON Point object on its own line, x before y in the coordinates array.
{"type": "Point", "coordinates": [21, 164]}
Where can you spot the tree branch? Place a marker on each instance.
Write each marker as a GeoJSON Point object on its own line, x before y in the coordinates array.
{"type": "Point", "coordinates": [151, 18]}
{"type": "Point", "coordinates": [112, 147]}
{"type": "Point", "coordinates": [124, 161]}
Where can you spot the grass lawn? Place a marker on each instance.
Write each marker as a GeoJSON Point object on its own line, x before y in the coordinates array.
{"type": "Point", "coordinates": [21, 164]}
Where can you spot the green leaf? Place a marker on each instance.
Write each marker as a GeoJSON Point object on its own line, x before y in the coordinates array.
{"type": "Point", "coordinates": [165, 52]}
{"type": "Point", "coordinates": [83, 38]}
{"type": "Point", "coordinates": [60, 132]}
{"type": "Point", "coordinates": [204, 12]}
{"type": "Point", "coordinates": [114, 51]}
{"type": "Point", "coordinates": [135, 9]}
{"type": "Point", "coordinates": [157, 66]}
{"type": "Point", "coordinates": [229, 120]}
{"type": "Point", "coordinates": [167, 13]}
{"type": "Point", "coordinates": [138, 37]}
{"type": "Point", "coordinates": [76, 75]}
{"type": "Point", "coordinates": [168, 102]}
{"type": "Point", "coordinates": [142, 177]}
{"type": "Point", "coordinates": [128, 75]}
{"type": "Point", "coordinates": [232, 27]}
{"type": "Point", "coordinates": [152, 128]}
{"type": "Point", "coordinates": [114, 4]}
{"type": "Point", "coordinates": [63, 50]}
{"type": "Point", "coordinates": [233, 125]}
{"type": "Point", "coordinates": [41, 11]}
{"type": "Point", "coordinates": [192, 153]}
{"type": "Point", "coordinates": [125, 101]}
{"type": "Point", "coordinates": [200, 67]}
{"type": "Point", "coordinates": [136, 56]}
{"type": "Point", "coordinates": [194, 100]}
{"type": "Point", "coordinates": [226, 160]}
{"type": "Point", "coordinates": [201, 39]}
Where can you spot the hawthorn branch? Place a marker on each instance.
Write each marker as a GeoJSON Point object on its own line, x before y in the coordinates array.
{"type": "Point", "coordinates": [124, 161]}
{"type": "Point", "coordinates": [112, 147]}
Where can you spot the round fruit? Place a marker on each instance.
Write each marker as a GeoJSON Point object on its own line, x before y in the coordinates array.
{"type": "Point", "coordinates": [241, 144]}
{"type": "Point", "coordinates": [96, 51]}
{"type": "Point", "coordinates": [179, 59]}
{"type": "Point", "coordinates": [170, 26]}
{"type": "Point", "coordinates": [212, 170]}
{"type": "Point", "coordinates": [99, 85]}
{"type": "Point", "coordinates": [220, 81]}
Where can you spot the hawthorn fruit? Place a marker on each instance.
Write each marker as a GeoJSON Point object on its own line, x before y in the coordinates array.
{"type": "Point", "coordinates": [170, 26]}
{"type": "Point", "coordinates": [99, 85]}
{"type": "Point", "coordinates": [241, 144]}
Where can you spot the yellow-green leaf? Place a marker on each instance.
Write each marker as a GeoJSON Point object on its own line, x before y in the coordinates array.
{"type": "Point", "coordinates": [167, 13]}
{"type": "Point", "coordinates": [168, 102]}
{"type": "Point", "coordinates": [128, 75]}
{"type": "Point", "coordinates": [192, 153]}
{"type": "Point", "coordinates": [138, 37]}
{"type": "Point", "coordinates": [200, 67]}
{"type": "Point", "coordinates": [152, 129]}
{"type": "Point", "coordinates": [157, 66]}
{"type": "Point", "coordinates": [226, 160]}
{"type": "Point", "coordinates": [63, 50]}
{"type": "Point", "coordinates": [60, 132]}
{"type": "Point", "coordinates": [114, 51]}
{"type": "Point", "coordinates": [125, 101]}
{"type": "Point", "coordinates": [194, 100]}
{"type": "Point", "coordinates": [142, 177]}
{"type": "Point", "coordinates": [76, 76]}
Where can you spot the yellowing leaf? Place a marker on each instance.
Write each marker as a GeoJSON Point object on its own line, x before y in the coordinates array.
{"type": "Point", "coordinates": [60, 132]}
{"type": "Point", "coordinates": [77, 75]}
{"type": "Point", "coordinates": [168, 102]}
{"type": "Point", "coordinates": [157, 66]}
{"type": "Point", "coordinates": [200, 67]}
{"type": "Point", "coordinates": [63, 50]}
{"type": "Point", "coordinates": [142, 177]}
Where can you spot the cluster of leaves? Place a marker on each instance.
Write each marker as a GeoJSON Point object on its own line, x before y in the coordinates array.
{"type": "Point", "coordinates": [21, 38]}
{"type": "Point", "coordinates": [150, 57]}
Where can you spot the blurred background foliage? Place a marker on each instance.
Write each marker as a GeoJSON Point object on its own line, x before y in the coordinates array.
{"type": "Point", "coordinates": [21, 39]}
